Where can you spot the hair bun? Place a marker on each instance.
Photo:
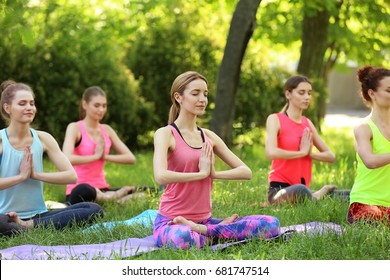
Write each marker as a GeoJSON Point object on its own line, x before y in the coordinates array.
{"type": "Point", "coordinates": [6, 84]}
{"type": "Point", "coordinates": [363, 73]}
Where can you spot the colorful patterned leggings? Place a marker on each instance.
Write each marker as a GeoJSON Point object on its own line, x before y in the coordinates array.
{"type": "Point", "coordinates": [359, 211]}
{"type": "Point", "coordinates": [183, 237]}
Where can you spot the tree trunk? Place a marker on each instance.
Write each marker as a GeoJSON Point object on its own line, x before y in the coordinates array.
{"type": "Point", "coordinates": [311, 61]}
{"type": "Point", "coordinates": [314, 44]}
{"type": "Point", "coordinates": [241, 30]}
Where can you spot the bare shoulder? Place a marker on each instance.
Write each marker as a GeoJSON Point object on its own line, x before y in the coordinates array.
{"type": "Point", "coordinates": [362, 129]}
{"type": "Point", "coordinates": [163, 132]}
{"type": "Point", "coordinates": [48, 141]}
{"type": "Point", "coordinates": [273, 116]}
{"type": "Point", "coordinates": [45, 136]}
{"type": "Point", "coordinates": [109, 129]}
{"type": "Point", "coordinates": [312, 126]}
{"type": "Point", "coordinates": [73, 128]}
{"type": "Point", "coordinates": [214, 137]}
{"type": "Point", "coordinates": [73, 125]}
{"type": "Point", "coordinates": [272, 119]}
{"type": "Point", "coordinates": [164, 135]}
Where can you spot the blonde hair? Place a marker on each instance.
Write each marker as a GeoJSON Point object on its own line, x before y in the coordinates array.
{"type": "Point", "coordinates": [8, 90]}
{"type": "Point", "coordinates": [179, 85]}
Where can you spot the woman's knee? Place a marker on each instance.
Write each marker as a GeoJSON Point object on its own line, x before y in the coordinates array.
{"type": "Point", "coordinates": [93, 208]}
{"type": "Point", "coordinates": [82, 193]}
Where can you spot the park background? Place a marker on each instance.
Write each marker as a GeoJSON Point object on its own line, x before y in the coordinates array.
{"type": "Point", "coordinates": [246, 49]}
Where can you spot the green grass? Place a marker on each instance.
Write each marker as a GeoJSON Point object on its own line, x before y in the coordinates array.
{"type": "Point", "coordinates": [358, 241]}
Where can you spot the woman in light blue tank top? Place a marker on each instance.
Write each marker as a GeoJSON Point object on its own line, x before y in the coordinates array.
{"type": "Point", "coordinates": [22, 176]}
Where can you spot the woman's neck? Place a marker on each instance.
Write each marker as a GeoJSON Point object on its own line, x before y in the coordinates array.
{"type": "Point", "coordinates": [294, 114]}
{"type": "Point", "coordinates": [186, 123]}
{"type": "Point", "coordinates": [381, 116]}
{"type": "Point", "coordinates": [19, 136]}
{"type": "Point", "coordinates": [18, 131]}
{"type": "Point", "coordinates": [91, 123]}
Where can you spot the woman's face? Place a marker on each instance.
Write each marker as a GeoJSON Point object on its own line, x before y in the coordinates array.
{"type": "Point", "coordinates": [194, 99]}
{"type": "Point", "coordinates": [382, 94]}
{"type": "Point", "coordinates": [22, 108]}
{"type": "Point", "coordinates": [96, 107]}
{"type": "Point", "coordinates": [300, 96]}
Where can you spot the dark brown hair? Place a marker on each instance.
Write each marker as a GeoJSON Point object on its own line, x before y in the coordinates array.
{"type": "Point", "coordinates": [292, 83]}
{"type": "Point", "coordinates": [369, 78]}
{"type": "Point", "coordinates": [87, 96]}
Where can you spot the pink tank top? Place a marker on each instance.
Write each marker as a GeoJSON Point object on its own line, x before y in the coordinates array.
{"type": "Point", "coordinates": [192, 200]}
{"type": "Point", "coordinates": [93, 172]}
{"type": "Point", "coordinates": [291, 171]}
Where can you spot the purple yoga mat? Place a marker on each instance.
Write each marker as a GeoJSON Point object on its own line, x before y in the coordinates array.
{"type": "Point", "coordinates": [134, 246]}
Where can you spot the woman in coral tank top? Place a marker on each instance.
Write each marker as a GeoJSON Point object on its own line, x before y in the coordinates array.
{"type": "Point", "coordinates": [184, 162]}
{"type": "Point", "coordinates": [289, 142]}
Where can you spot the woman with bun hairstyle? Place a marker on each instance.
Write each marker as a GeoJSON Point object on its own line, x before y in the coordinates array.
{"type": "Point", "coordinates": [184, 162]}
{"type": "Point", "coordinates": [370, 194]}
{"type": "Point", "coordinates": [22, 176]}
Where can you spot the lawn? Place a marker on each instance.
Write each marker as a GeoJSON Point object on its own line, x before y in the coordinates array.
{"type": "Point", "coordinates": [357, 242]}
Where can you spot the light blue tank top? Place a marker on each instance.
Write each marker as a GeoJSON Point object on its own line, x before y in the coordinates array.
{"type": "Point", "coordinates": [26, 198]}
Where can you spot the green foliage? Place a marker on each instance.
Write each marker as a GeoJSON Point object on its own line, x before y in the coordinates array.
{"type": "Point", "coordinates": [74, 50]}
{"type": "Point", "coordinates": [166, 47]}
{"type": "Point", "coordinates": [134, 50]}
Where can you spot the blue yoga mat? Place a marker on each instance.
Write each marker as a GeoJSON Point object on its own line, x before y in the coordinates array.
{"type": "Point", "coordinates": [146, 218]}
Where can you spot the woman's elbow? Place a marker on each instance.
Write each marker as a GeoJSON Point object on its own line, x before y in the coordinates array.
{"type": "Point", "coordinates": [247, 174]}
{"type": "Point", "coordinates": [73, 177]}
{"type": "Point", "coordinates": [332, 158]}
{"type": "Point", "coordinates": [270, 154]}
{"type": "Point", "coordinates": [370, 164]}
{"type": "Point", "coordinates": [159, 179]}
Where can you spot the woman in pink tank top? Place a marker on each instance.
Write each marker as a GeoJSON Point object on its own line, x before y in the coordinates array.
{"type": "Point", "coordinates": [289, 142]}
{"type": "Point", "coordinates": [184, 162]}
{"type": "Point", "coordinates": [87, 144]}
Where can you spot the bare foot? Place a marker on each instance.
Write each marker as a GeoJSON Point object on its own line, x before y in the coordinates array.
{"type": "Point", "coordinates": [125, 191]}
{"type": "Point", "coordinates": [15, 219]}
{"type": "Point", "coordinates": [130, 197]}
{"type": "Point", "coordinates": [202, 229]}
{"type": "Point", "coordinates": [117, 195]}
{"type": "Point", "coordinates": [324, 191]}
{"type": "Point", "coordinates": [230, 219]}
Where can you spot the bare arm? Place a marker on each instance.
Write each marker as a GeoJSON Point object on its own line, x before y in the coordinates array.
{"type": "Point", "coordinates": [271, 143]}
{"type": "Point", "coordinates": [163, 144]}
{"type": "Point", "coordinates": [65, 173]}
{"type": "Point", "coordinates": [324, 153]}
{"type": "Point", "coordinates": [72, 136]}
{"type": "Point", "coordinates": [363, 137]}
{"type": "Point", "coordinates": [238, 169]}
{"type": "Point", "coordinates": [123, 154]}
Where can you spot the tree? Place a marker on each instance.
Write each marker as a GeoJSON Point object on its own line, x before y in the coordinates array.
{"type": "Point", "coordinates": [314, 41]}
{"type": "Point", "coordinates": [241, 30]}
